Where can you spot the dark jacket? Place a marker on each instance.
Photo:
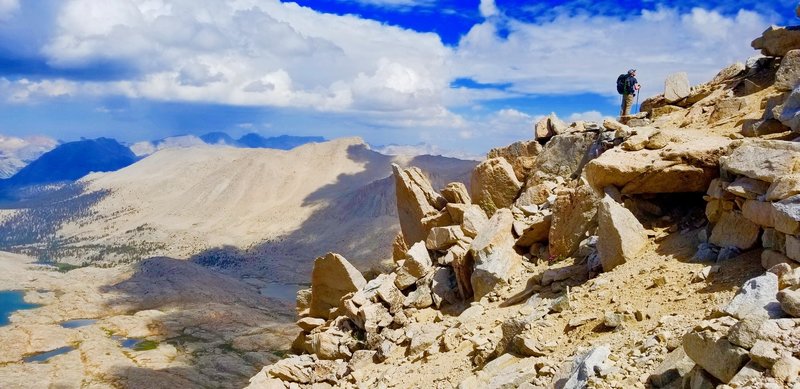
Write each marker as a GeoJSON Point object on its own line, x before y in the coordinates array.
{"type": "Point", "coordinates": [630, 85]}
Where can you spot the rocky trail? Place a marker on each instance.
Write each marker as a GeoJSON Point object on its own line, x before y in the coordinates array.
{"type": "Point", "coordinates": [659, 251]}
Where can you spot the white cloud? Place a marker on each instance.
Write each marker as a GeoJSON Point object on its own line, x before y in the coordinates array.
{"type": "Point", "coordinates": [409, 151]}
{"type": "Point", "coordinates": [184, 141]}
{"type": "Point", "coordinates": [588, 116]}
{"type": "Point", "coordinates": [24, 90]}
{"type": "Point", "coordinates": [8, 8]}
{"type": "Point", "coordinates": [394, 3]}
{"type": "Point", "coordinates": [488, 8]}
{"type": "Point", "coordinates": [251, 52]}
{"type": "Point", "coordinates": [582, 53]}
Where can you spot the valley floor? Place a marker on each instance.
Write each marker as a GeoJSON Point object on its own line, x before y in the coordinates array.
{"type": "Point", "coordinates": [163, 323]}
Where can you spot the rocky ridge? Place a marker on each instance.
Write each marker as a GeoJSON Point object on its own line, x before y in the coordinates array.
{"type": "Point", "coordinates": [659, 252]}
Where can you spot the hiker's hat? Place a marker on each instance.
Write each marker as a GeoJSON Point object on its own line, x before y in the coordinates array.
{"type": "Point", "coordinates": [631, 71]}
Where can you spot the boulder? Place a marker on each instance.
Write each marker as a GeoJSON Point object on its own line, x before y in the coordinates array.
{"type": "Point", "coordinates": [786, 215]}
{"type": "Point", "coordinates": [758, 212]}
{"type": "Point", "coordinates": [297, 368]}
{"type": "Point", "coordinates": [494, 185]}
{"type": "Point", "coordinates": [730, 72]}
{"type": "Point", "coordinates": [537, 230]}
{"type": "Point", "coordinates": [328, 345]}
{"type": "Point", "coordinates": [457, 258]}
{"type": "Point", "coordinates": [756, 128]}
{"type": "Point", "coordinates": [674, 367]}
{"type": "Point", "coordinates": [777, 41]}
{"type": "Point", "coordinates": [521, 156]}
{"type": "Point", "coordinates": [657, 141]}
{"type": "Point", "coordinates": [789, 72]}
{"type": "Point", "coordinates": [309, 323]}
{"type": "Point", "coordinates": [745, 332]}
{"type": "Point", "coordinates": [775, 240]}
{"type": "Point", "coordinates": [786, 369]}
{"type": "Point", "coordinates": [440, 238]}
{"type": "Point", "coordinates": [563, 156]}
{"type": "Point", "coordinates": [766, 160]}
{"type": "Point", "coordinates": [535, 195]}
{"type": "Point", "coordinates": [770, 258]}
{"type": "Point", "coordinates": [418, 261]}
{"type": "Point", "coordinates": [423, 336]}
{"type": "Point", "coordinates": [784, 187]}
{"type": "Point", "coordinates": [494, 255]}
{"type": "Point", "coordinates": [399, 248]}
{"type": "Point", "coordinates": [766, 353]}
{"type": "Point", "coordinates": [727, 108]}
{"type": "Point", "coordinates": [788, 113]}
{"type": "Point", "coordinates": [456, 192]}
{"type": "Point", "coordinates": [620, 236]}
{"type": "Point", "coordinates": [756, 298]}
{"type": "Point", "coordinates": [715, 354]}
{"type": "Point", "coordinates": [548, 127]}
{"type": "Point", "coordinates": [734, 230]}
{"type": "Point", "coordinates": [681, 167]}
{"type": "Point", "coordinates": [444, 287]}
{"type": "Point", "coordinates": [416, 200]}
{"type": "Point", "coordinates": [677, 87]}
{"type": "Point", "coordinates": [750, 374]}
{"type": "Point", "coordinates": [790, 301]}
{"type": "Point", "coordinates": [585, 367]}
{"type": "Point", "coordinates": [748, 188]}
{"type": "Point", "coordinates": [473, 220]}
{"type": "Point", "coordinates": [332, 278]}
{"type": "Point", "coordinates": [574, 213]}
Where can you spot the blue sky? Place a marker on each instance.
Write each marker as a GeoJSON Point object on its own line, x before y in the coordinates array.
{"type": "Point", "coordinates": [450, 76]}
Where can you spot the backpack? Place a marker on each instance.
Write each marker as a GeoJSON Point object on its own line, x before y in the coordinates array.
{"type": "Point", "coordinates": [622, 80]}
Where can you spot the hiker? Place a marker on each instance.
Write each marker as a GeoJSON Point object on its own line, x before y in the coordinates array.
{"type": "Point", "coordinates": [628, 88]}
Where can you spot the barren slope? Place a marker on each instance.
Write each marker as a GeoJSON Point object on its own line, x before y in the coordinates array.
{"type": "Point", "coordinates": [215, 203]}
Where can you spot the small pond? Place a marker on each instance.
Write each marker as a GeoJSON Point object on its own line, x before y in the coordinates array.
{"type": "Point", "coordinates": [43, 357]}
{"type": "Point", "coordinates": [280, 291]}
{"type": "Point", "coordinates": [76, 323]}
{"type": "Point", "coordinates": [10, 302]}
{"type": "Point", "coordinates": [135, 344]}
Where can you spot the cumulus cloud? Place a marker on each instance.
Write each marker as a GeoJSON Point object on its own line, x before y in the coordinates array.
{"type": "Point", "coordinates": [394, 3]}
{"type": "Point", "coordinates": [579, 53]}
{"type": "Point", "coordinates": [268, 53]}
{"type": "Point", "coordinates": [588, 116]}
{"type": "Point", "coordinates": [252, 53]}
{"type": "Point", "coordinates": [488, 8]}
{"type": "Point", "coordinates": [144, 148]}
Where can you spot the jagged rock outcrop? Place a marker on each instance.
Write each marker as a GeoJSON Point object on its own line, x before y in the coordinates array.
{"type": "Point", "coordinates": [685, 166]}
{"type": "Point", "coordinates": [494, 185]}
{"type": "Point", "coordinates": [548, 127]}
{"type": "Point", "coordinates": [563, 156]}
{"type": "Point", "coordinates": [777, 41]}
{"type": "Point", "coordinates": [332, 278]}
{"type": "Point", "coordinates": [416, 201]}
{"type": "Point", "coordinates": [620, 236]}
{"type": "Point", "coordinates": [574, 213]}
{"type": "Point", "coordinates": [494, 255]}
{"type": "Point", "coordinates": [677, 87]}
{"type": "Point", "coordinates": [521, 156]}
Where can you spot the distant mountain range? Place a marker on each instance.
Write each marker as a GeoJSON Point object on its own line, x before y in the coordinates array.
{"type": "Point", "coordinates": [252, 140]}
{"type": "Point", "coordinates": [73, 160]}
{"type": "Point", "coordinates": [16, 153]}
{"type": "Point", "coordinates": [23, 165]}
{"type": "Point", "coordinates": [268, 211]}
